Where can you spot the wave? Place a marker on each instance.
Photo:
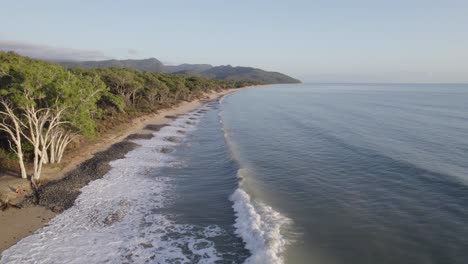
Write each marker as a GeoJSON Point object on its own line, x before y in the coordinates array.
{"type": "Point", "coordinates": [118, 218]}
{"type": "Point", "coordinates": [260, 227]}
{"type": "Point", "coordinates": [257, 223]}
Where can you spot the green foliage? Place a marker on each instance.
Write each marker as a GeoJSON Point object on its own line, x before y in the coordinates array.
{"type": "Point", "coordinates": [89, 96]}
{"type": "Point", "coordinates": [49, 85]}
{"type": "Point", "coordinates": [110, 99]}
{"type": "Point", "coordinates": [27, 148]}
{"type": "Point", "coordinates": [8, 160]}
{"type": "Point", "coordinates": [227, 72]}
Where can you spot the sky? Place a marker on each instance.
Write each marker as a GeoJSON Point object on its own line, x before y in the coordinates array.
{"type": "Point", "coordinates": [315, 41]}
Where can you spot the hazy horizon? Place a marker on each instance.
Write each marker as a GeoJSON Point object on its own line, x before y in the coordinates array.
{"type": "Point", "coordinates": [363, 41]}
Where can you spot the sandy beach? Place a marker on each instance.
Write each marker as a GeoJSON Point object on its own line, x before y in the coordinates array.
{"type": "Point", "coordinates": [81, 165]}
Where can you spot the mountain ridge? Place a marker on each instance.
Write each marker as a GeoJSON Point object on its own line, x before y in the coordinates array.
{"type": "Point", "coordinates": [223, 72]}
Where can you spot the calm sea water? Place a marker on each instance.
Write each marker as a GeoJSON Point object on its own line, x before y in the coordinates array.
{"type": "Point", "coordinates": [282, 174]}
{"type": "Point", "coordinates": [365, 173]}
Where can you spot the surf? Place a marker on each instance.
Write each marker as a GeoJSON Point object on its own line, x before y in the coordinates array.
{"type": "Point", "coordinates": [258, 224]}
{"type": "Point", "coordinates": [117, 219]}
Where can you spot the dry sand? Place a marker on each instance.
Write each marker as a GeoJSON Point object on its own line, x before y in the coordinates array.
{"type": "Point", "coordinates": [16, 224]}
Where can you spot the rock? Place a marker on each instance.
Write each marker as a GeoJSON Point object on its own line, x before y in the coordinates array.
{"type": "Point", "coordinates": [155, 128]}
{"type": "Point", "coordinates": [139, 136]}
{"type": "Point", "coordinates": [61, 194]}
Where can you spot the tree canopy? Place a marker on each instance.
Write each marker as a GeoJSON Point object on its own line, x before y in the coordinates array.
{"type": "Point", "coordinates": [47, 105]}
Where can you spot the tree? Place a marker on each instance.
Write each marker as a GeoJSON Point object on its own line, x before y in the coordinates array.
{"type": "Point", "coordinates": [123, 82]}
{"type": "Point", "coordinates": [12, 125]}
{"type": "Point", "coordinates": [46, 105]}
{"type": "Point", "coordinates": [59, 140]}
{"type": "Point", "coordinates": [155, 91]}
{"type": "Point", "coordinates": [36, 125]}
{"type": "Point", "coordinates": [40, 125]}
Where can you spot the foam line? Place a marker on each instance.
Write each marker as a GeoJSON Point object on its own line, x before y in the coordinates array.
{"type": "Point", "coordinates": [115, 219]}
{"type": "Point", "coordinates": [259, 226]}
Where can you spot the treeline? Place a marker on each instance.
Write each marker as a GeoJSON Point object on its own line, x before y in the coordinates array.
{"type": "Point", "coordinates": [44, 107]}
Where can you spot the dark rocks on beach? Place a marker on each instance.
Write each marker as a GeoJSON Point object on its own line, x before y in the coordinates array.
{"type": "Point", "coordinates": [146, 245]}
{"type": "Point", "coordinates": [181, 131]}
{"type": "Point", "coordinates": [112, 218]}
{"type": "Point", "coordinates": [166, 150]}
{"type": "Point", "coordinates": [117, 215]}
{"type": "Point", "coordinates": [171, 117]}
{"type": "Point", "coordinates": [139, 136]}
{"type": "Point", "coordinates": [154, 127]}
{"type": "Point", "coordinates": [174, 139]}
{"type": "Point", "coordinates": [60, 195]}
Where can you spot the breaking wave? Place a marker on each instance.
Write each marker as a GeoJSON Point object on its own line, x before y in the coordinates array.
{"type": "Point", "coordinates": [257, 223]}
{"type": "Point", "coordinates": [259, 226]}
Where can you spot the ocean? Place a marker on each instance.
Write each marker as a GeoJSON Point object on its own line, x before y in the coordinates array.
{"type": "Point", "coordinates": [307, 173]}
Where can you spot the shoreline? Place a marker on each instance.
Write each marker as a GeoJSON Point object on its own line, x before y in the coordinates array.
{"type": "Point", "coordinates": [95, 158]}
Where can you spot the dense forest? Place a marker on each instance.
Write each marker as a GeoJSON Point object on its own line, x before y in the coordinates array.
{"type": "Point", "coordinates": [44, 107]}
{"type": "Point", "coordinates": [215, 72]}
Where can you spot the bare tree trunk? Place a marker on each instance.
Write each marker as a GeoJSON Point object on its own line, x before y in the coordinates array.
{"type": "Point", "coordinates": [133, 95]}
{"type": "Point", "coordinates": [63, 145]}
{"type": "Point", "coordinates": [58, 143]}
{"type": "Point", "coordinates": [24, 175]}
{"type": "Point", "coordinates": [127, 99]}
{"type": "Point", "coordinates": [41, 127]}
{"type": "Point", "coordinates": [52, 148]}
{"type": "Point", "coordinates": [36, 119]}
{"type": "Point", "coordinates": [14, 131]}
{"type": "Point", "coordinates": [40, 135]}
{"type": "Point", "coordinates": [46, 158]}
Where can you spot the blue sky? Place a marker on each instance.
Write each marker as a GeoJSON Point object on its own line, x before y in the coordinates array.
{"type": "Point", "coordinates": [356, 41]}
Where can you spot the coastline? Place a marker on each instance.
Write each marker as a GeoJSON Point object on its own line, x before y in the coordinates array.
{"type": "Point", "coordinates": [95, 157]}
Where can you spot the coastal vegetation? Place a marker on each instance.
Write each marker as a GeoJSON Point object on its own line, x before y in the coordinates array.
{"type": "Point", "coordinates": [226, 72]}
{"type": "Point", "coordinates": [44, 107]}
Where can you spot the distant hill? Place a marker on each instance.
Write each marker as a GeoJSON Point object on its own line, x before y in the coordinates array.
{"type": "Point", "coordinates": [216, 72]}
{"type": "Point", "coordinates": [195, 68]}
{"type": "Point", "coordinates": [151, 64]}
{"type": "Point", "coordinates": [247, 74]}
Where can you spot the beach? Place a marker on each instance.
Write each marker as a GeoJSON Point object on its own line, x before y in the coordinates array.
{"type": "Point", "coordinates": [81, 166]}
{"type": "Point", "coordinates": [208, 185]}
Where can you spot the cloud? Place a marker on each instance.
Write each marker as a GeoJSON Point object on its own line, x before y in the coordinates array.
{"type": "Point", "coordinates": [132, 51]}
{"type": "Point", "coordinates": [51, 53]}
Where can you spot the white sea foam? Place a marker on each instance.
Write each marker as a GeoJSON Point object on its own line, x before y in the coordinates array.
{"type": "Point", "coordinates": [116, 219]}
{"type": "Point", "coordinates": [260, 226]}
